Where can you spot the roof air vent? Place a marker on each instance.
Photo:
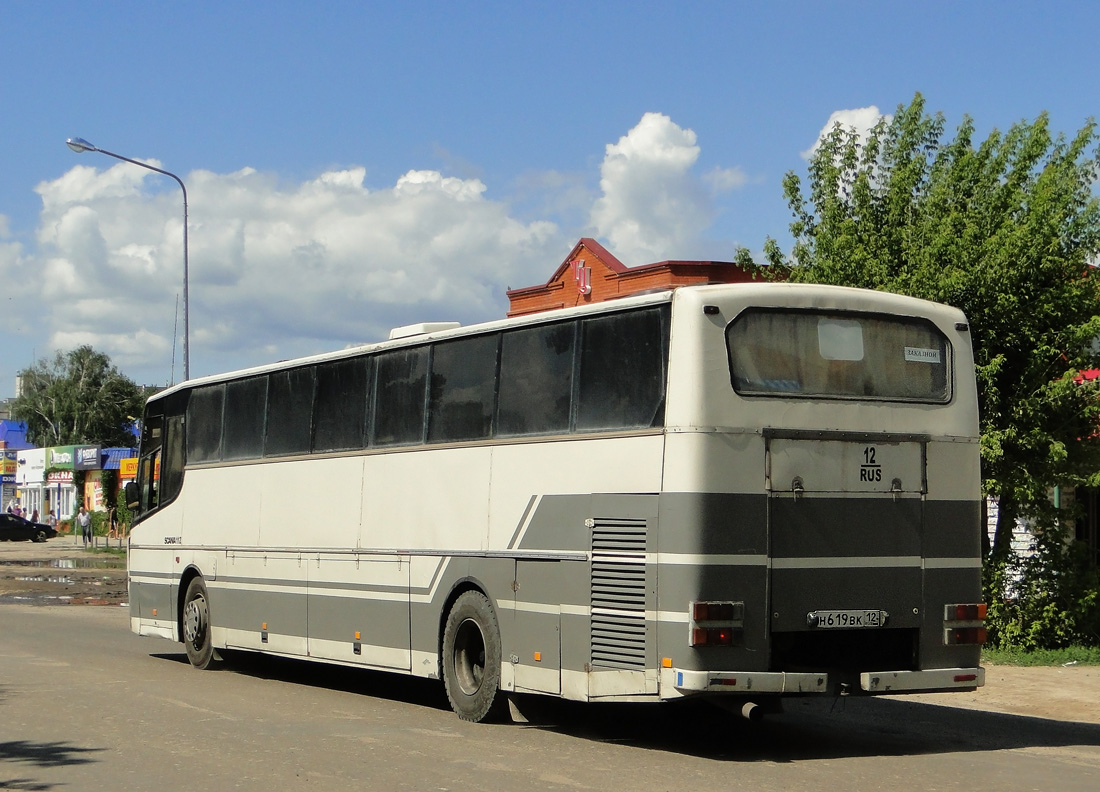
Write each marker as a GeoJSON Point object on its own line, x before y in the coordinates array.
{"type": "Point", "coordinates": [422, 329]}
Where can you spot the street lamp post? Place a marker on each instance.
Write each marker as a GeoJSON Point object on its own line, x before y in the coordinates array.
{"type": "Point", "coordinates": [80, 145]}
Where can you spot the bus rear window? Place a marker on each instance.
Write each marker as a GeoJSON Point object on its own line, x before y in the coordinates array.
{"type": "Point", "coordinates": [838, 355]}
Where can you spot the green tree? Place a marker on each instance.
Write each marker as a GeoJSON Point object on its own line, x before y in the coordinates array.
{"type": "Point", "coordinates": [78, 398]}
{"type": "Point", "coordinates": [1006, 230]}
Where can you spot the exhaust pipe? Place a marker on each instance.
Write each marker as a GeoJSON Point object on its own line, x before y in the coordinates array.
{"type": "Point", "coordinates": [749, 710]}
{"type": "Point", "coordinates": [752, 712]}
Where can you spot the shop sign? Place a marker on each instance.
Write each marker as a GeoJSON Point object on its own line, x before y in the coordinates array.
{"type": "Point", "coordinates": [11, 463]}
{"type": "Point", "coordinates": [30, 466]}
{"type": "Point", "coordinates": [60, 457]}
{"type": "Point", "coordinates": [60, 477]}
{"type": "Point", "coordinates": [127, 468]}
{"type": "Point", "coordinates": [86, 458]}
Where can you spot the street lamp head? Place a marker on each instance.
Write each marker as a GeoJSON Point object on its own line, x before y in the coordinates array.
{"type": "Point", "coordinates": [80, 145]}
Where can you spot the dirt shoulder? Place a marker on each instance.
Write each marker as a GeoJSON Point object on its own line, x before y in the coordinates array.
{"type": "Point", "coordinates": [1059, 693]}
{"type": "Point", "coordinates": [61, 571]}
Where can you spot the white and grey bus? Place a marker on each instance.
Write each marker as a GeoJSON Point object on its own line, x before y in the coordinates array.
{"type": "Point", "coordinates": [732, 491]}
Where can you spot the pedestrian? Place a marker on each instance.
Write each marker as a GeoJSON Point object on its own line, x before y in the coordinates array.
{"type": "Point", "coordinates": [84, 520]}
{"type": "Point", "coordinates": [34, 516]}
{"type": "Point", "coordinates": [51, 520]}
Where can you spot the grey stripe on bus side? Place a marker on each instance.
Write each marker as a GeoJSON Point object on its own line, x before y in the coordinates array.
{"type": "Point", "coordinates": [815, 543]}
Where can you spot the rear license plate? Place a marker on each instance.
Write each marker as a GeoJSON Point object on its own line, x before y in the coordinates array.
{"type": "Point", "coordinates": [846, 619]}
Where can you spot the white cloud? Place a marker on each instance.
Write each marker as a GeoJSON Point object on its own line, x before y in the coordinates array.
{"type": "Point", "coordinates": [11, 260]}
{"type": "Point", "coordinates": [724, 180]}
{"type": "Point", "coordinates": [140, 343]}
{"type": "Point", "coordinates": [278, 270]}
{"type": "Point", "coordinates": [554, 192]}
{"type": "Point", "coordinates": [861, 120]}
{"type": "Point", "coordinates": [10, 251]}
{"type": "Point", "coordinates": [274, 272]}
{"type": "Point", "coordinates": [653, 206]}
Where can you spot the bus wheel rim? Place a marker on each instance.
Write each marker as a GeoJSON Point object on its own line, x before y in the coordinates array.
{"type": "Point", "coordinates": [469, 657]}
{"type": "Point", "coordinates": [194, 620]}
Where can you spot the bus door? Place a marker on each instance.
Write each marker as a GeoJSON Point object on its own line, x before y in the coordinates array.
{"type": "Point", "coordinates": [845, 516]}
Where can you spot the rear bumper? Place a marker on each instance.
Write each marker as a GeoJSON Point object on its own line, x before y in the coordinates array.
{"type": "Point", "coordinates": [922, 681]}
{"type": "Point", "coordinates": [692, 682]}
{"type": "Point", "coordinates": [686, 683]}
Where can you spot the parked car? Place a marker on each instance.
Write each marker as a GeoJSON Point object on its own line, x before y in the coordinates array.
{"type": "Point", "coordinates": [19, 529]}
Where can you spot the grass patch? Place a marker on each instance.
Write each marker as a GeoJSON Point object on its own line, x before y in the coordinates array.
{"type": "Point", "coordinates": [110, 550]}
{"type": "Point", "coordinates": [1079, 655]}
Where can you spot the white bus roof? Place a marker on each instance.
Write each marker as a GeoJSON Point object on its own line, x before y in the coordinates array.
{"type": "Point", "coordinates": [761, 293]}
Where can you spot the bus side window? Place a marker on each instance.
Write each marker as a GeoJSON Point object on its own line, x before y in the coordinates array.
{"type": "Point", "coordinates": [463, 386]}
{"type": "Point", "coordinates": [536, 380]}
{"type": "Point", "coordinates": [399, 397]}
{"type": "Point", "coordinates": [204, 422]}
{"type": "Point", "coordinates": [171, 473]}
{"type": "Point", "coordinates": [340, 409]}
{"type": "Point", "coordinates": [622, 374]}
{"type": "Point", "coordinates": [289, 412]}
{"type": "Point", "coordinates": [245, 408]}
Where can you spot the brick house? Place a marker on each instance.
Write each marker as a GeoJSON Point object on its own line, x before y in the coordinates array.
{"type": "Point", "coordinates": [590, 274]}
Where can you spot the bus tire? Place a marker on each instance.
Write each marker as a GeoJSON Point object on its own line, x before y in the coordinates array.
{"type": "Point", "coordinates": [471, 658]}
{"type": "Point", "coordinates": [196, 625]}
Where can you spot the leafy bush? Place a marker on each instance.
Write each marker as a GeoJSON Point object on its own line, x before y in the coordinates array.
{"type": "Point", "coordinates": [122, 511]}
{"type": "Point", "coordinates": [1048, 600]}
{"type": "Point", "coordinates": [99, 523]}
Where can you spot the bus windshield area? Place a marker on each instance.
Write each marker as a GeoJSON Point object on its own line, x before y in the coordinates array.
{"type": "Point", "coordinates": [797, 353]}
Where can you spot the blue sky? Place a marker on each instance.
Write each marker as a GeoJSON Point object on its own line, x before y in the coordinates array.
{"type": "Point", "coordinates": [357, 166]}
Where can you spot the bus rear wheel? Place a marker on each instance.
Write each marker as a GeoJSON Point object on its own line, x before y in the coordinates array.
{"type": "Point", "coordinates": [196, 625]}
{"type": "Point", "coordinates": [471, 658]}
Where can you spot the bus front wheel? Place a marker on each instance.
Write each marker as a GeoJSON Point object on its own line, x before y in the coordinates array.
{"type": "Point", "coordinates": [196, 625]}
{"type": "Point", "coordinates": [471, 658]}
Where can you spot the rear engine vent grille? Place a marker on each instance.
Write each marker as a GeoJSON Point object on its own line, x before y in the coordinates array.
{"type": "Point", "coordinates": [619, 587]}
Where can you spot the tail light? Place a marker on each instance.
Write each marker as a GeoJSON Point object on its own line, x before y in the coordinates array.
{"type": "Point", "coordinates": [966, 612]}
{"type": "Point", "coordinates": [964, 624]}
{"type": "Point", "coordinates": [716, 623]}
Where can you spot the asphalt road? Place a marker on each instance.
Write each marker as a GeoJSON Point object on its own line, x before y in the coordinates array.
{"type": "Point", "coordinates": [86, 705]}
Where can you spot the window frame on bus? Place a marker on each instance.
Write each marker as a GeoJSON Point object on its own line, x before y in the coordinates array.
{"type": "Point", "coordinates": [790, 390]}
{"type": "Point", "coordinates": [161, 464]}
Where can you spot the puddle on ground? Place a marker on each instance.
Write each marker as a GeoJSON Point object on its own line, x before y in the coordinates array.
{"type": "Point", "coordinates": [110, 562]}
{"type": "Point", "coordinates": [42, 579]}
{"type": "Point", "coordinates": [46, 599]}
{"type": "Point", "coordinates": [65, 581]}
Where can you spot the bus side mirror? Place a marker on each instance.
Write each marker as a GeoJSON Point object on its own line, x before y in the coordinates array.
{"type": "Point", "coordinates": [133, 495]}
